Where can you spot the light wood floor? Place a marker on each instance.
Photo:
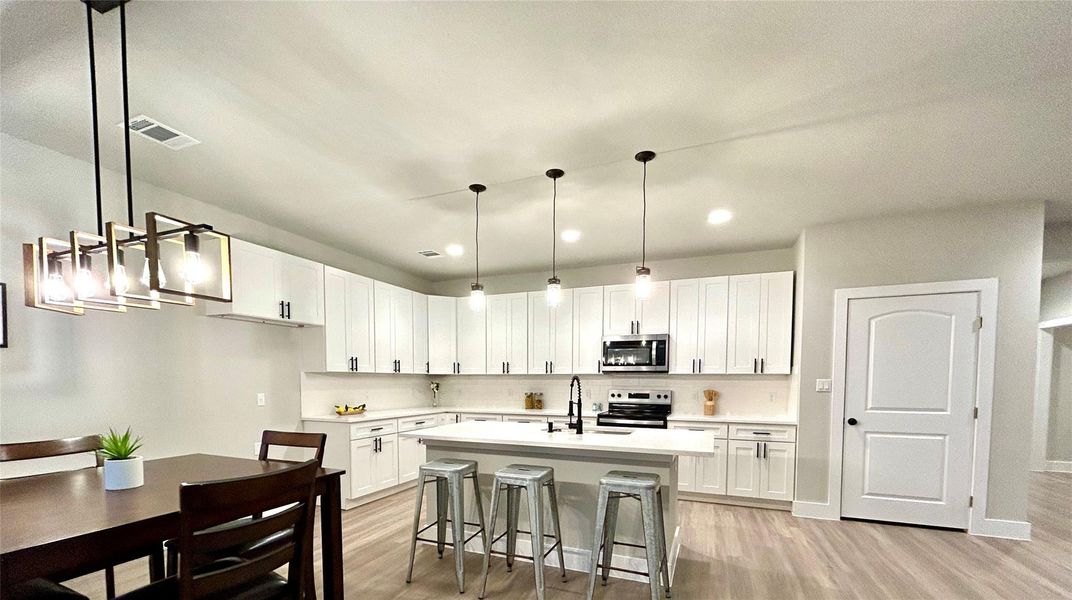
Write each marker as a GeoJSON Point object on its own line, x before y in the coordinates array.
{"type": "Point", "coordinates": [732, 552]}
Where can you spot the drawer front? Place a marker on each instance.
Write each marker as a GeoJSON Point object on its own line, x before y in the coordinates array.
{"type": "Point", "coordinates": [448, 418]}
{"type": "Point", "coordinates": [480, 417]}
{"type": "Point", "coordinates": [513, 419]}
{"type": "Point", "coordinates": [719, 429]}
{"type": "Point", "coordinates": [374, 428]}
{"type": "Point", "coordinates": [421, 422]}
{"type": "Point", "coordinates": [763, 433]}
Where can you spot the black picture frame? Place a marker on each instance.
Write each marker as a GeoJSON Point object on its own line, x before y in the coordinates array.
{"type": "Point", "coordinates": [3, 315]}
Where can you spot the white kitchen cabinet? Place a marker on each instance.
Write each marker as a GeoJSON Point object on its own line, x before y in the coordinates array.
{"type": "Point", "coordinates": [442, 334]}
{"type": "Point", "coordinates": [550, 334]}
{"type": "Point", "coordinates": [686, 473]}
{"type": "Point", "coordinates": [448, 418]}
{"type": "Point", "coordinates": [760, 324]}
{"type": "Point", "coordinates": [698, 325]}
{"type": "Point", "coordinates": [624, 313]}
{"type": "Point", "coordinates": [362, 480]}
{"type": "Point", "coordinates": [385, 462]}
{"type": "Point", "coordinates": [743, 468]}
{"type": "Point", "coordinates": [587, 329]}
{"type": "Point", "coordinates": [776, 323]}
{"type": "Point", "coordinates": [507, 333]}
{"type": "Point", "coordinates": [472, 339]}
{"type": "Point", "coordinates": [411, 455]}
{"type": "Point", "coordinates": [465, 418]}
{"type": "Point", "coordinates": [344, 344]}
{"type": "Point", "coordinates": [542, 421]}
{"type": "Point", "coordinates": [271, 286]}
{"type": "Point", "coordinates": [705, 475]}
{"type": "Point", "coordinates": [394, 329]}
{"type": "Point", "coordinates": [420, 333]}
{"type": "Point", "coordinates": [777, 470]}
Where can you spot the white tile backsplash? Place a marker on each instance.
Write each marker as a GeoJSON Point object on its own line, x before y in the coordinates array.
{"type": "Point", "coordinates": [320, 392]}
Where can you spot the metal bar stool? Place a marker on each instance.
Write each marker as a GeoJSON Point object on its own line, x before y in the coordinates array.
{"type": "Point", "coordinates": [533, 480]}
{"type": "Point", "coordinates": [450, 476]}
{"type": "Point", "coordinates": [646, 488]}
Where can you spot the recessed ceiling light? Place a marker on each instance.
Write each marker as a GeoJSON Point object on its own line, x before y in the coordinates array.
{"type": "Point", "coordinates": [719, 216]}
{"type": "Point", "coordinates": [571, 235]}
{"type": "Point", "coordinates": [455, 249]}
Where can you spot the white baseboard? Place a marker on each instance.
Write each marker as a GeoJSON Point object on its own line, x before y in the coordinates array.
{"type": "Point", "coordinates": [815, 510]}
{"type": "Point", "coordinates": [1057, 466]}
{"type": "Point", "coordinates": [1000, 528]}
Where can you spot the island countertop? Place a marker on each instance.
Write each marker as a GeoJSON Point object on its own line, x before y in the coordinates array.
{"type": "Point", "coordinates": [665, 442]}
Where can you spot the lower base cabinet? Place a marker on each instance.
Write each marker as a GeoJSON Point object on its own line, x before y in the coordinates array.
{"type": "Point", "coordinates": [373, 464]}
{"type": "Point", "coordinates": [411, 455]}
{"type": "Point", "coordinates": [742, 467]}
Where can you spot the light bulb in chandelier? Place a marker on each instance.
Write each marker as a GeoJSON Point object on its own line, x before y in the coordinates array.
{"type": "Point", "coordinates": [193, 269]}
{"type": "Point", "coordinates": [146, 275]}
{"type": "Point", "coordinates": [120, 281]}
{"type": "Point", "coordinates": [56, 289]}
{"type": "Point", "coordinates": [477, 299]}
{"type": "Point", "coordinates": [554, 291]}
{"type": "Point", "coordinates": [85, 284]}
{"type": "Point", "coordinates": [642, 288]}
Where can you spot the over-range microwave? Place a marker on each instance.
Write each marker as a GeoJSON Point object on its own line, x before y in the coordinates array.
{"type": "Point", "coordinates": [636, 354]}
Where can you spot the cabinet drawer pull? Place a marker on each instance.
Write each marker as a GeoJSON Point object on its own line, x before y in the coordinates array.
{"type": "Point", "coordinates": [420, 422]}
{"type": "Point", "coordinates": [695, 429]}
{"type": "Point", "coordinates": [761, 433]}
{"type": "Point", "coordinates": [375, 429]}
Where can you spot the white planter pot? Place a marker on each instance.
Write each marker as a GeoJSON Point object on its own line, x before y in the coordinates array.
{"type": "Point", "coordinates": [124, 474]}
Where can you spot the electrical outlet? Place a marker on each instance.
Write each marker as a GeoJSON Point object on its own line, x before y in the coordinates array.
{"type": "Point", "coordinates": [822, 385]}
{"type": "Point", "coordinates": [256, 448]}
{"type": "Point", "coordinates": [772, 396]}
{"type": "Point", "coordinates": [262, 399]}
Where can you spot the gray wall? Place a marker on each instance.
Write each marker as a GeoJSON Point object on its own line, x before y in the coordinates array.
{"type": "Point", "coordinates": [183, 381]}
{"type": "Point", "coordinates": [1000, 241]}
{"type": "Point", "coordinates": [1059, 438]}
{"type": "Point", "coordinates": [661, 270]}
{"type": "Point", "coordinates": [1056, 297]}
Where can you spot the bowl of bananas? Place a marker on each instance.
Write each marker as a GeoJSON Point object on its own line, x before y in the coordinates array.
{"type": "Point", "coordinates": [346, 409]}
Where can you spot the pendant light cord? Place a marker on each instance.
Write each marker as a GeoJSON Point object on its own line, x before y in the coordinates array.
{"type": "Point", "coordinates": [644, 220]}
{"type": "Point", "coordinates": [478, 237]}
{"type": "Point", "coordinates": [96, 134]}
{"type": "Point", "coordinates": [554, 229]}
{"type": "Point", "coordinates": [126, 112]}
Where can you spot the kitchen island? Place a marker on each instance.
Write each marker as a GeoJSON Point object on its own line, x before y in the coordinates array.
{"type": "Point", "coordinates": [579, 461]}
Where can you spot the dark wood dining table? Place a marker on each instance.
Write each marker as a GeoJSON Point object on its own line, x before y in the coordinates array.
{"type": "Point", "coordinates": [63, 525]}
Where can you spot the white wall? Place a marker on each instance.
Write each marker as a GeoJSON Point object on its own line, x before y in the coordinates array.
{"type": "Point", "coordinates": [1056, 301]}
{"type": "Point", "coordinates": [1059, 438]}
{"type": "Point", "coordinates": [1003, 241]}
{"type": "Point", "coordinates": [185, 382]}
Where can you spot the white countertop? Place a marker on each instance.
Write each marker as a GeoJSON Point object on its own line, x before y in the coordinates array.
{"type": "Point", "coordinates": [402, 413]}
{"type": "Point", "coordinates": [663, 442]}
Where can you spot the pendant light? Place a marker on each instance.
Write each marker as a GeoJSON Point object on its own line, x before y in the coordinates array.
{"type": "Point", "coordinates": [477, 300]}
{"type": "Point", "coordinates": [642, 288]}
{"type": "Point", "coordinates": [554, 285]}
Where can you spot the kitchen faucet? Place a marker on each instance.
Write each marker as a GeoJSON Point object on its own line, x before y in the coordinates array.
{"type": "Point", "coordinates": [579, 425]}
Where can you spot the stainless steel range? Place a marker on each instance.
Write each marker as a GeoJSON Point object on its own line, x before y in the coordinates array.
{"type": "Point", "coordinates": [637, 408]}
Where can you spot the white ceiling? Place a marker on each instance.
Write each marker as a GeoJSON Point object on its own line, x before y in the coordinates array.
{"type": "Point", "coordinates": [360, 124]}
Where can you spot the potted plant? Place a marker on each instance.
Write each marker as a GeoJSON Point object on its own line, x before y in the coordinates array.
{"type": "Point", "coordinates": [122, 469]}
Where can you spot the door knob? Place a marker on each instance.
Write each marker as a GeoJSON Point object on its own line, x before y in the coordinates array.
{"type": "Point", "coordinates": [851, 421]}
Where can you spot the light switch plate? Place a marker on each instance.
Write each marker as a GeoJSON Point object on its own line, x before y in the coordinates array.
{"type": "Point", "coordinates": [261, 399]}
{"type": "Point", "coordinates": [822, 385]}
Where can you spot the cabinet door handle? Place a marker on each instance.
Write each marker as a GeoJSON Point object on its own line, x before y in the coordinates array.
{"type": "Point", "coordinates": [351, 363]}
{"type": "Point", "coordinates": [757, 449]}
{"type": "Point", "coordinates": [755, 366]}
{"type": "Point", "coordinates": [507, 367]}
{"type": "Point", "coordinates": [694, 365]}
{"type": "Point", "coordinates": [699, 365]}
{"type": "Point", "coordinates": [764, 450]}
{"type": "Point", "coordinates": [427, 367]}
{"type": "Point", "coordinates": [552, 366]}
{"type": "Point", "coordinates": [282, 315]}
{"type": "Point", "coordinates": [762, 366]}
{"type": "Point", "coordinates": [288, 310]}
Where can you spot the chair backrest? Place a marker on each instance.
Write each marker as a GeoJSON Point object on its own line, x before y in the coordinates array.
{"type": "Point", "coordinates": [51, 448]}
{"type": "Point", "coordinates": [211, 525]}
{"type": "Point", "coordinates": [293, 439]}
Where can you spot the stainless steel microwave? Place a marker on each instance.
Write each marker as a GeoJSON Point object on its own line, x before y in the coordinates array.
{"type": "Point", "coordinates": [636, 354]}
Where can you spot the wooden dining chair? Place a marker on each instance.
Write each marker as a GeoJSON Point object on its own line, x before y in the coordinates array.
{"type": "Point", "coordinates": [269, 438]}
{"type": "Point", "coordinates": [52, 449]}
{"type": "Point", "coordinates": [216, 540]}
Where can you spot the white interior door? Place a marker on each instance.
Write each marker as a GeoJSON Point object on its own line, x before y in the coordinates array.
{"type": "Point", "coordinates": [909, 400]}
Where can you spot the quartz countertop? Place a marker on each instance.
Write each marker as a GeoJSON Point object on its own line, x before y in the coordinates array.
{"type": "Point", "coordinates": [402, 413]}
{"type": "Point", "coordinates": [486, 434]}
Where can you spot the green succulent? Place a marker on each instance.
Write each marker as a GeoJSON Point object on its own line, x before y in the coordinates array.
{"type": "Point", "coordinates": [119, 446]}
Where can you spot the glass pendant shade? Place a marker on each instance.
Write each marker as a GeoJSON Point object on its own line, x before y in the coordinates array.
{"type": "Point", "coordinates": [554, 291]}
{"type": "Point", "coordinates": [189, 255]}
{"type": "Point", "coordinates": [643, 283]}
{"type": "Point", "coordinates": [477, 299]}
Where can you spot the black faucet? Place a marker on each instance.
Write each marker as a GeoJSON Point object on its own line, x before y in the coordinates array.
{"type": "Point", "coordinates": [579, 424]}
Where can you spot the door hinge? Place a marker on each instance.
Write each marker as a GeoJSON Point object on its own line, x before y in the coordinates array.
{"type": "Point", "coordinates": [976, 412]}
{"type": "Point", "coordinates": [971, 501]}
{"type": "Point", "coordinates": [978, 324]}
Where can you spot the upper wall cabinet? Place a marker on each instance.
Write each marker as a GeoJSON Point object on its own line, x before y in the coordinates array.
{"type": "Point", "coordinates": [472, 339]}
{"type": "Point", "coordinates": [274, 287]}
{"type": "Point", "coordinates": [345, 342]}
{"type": "Point", "coordinates": [507, 331]}
{"type": "Point", "coordinates": [420, 333]}
{"type": "Point", "coordinates": [550, 334]}
{"type": "Point", "coordinates": [760, 324]}
{"type": "Point", "coordinates": [587, 329]}
{"type": "Point", "coordinates": [624, 314]}
{"type": "Point", "coordinates": [698, 318]}
{"type": "Point", "coordinates": [394, 329]}
{"type": "Point", "coordinates": [442, 335]}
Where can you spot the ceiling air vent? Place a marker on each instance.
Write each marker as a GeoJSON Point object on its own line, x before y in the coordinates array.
{"type": "Point", "coordinates": [162, 134]}
{"type": "Point", "coordinates": [429, 254]}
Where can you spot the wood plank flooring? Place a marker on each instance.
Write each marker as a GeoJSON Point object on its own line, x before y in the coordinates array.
{"type": "Point", "coordinates": [733, 552]}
